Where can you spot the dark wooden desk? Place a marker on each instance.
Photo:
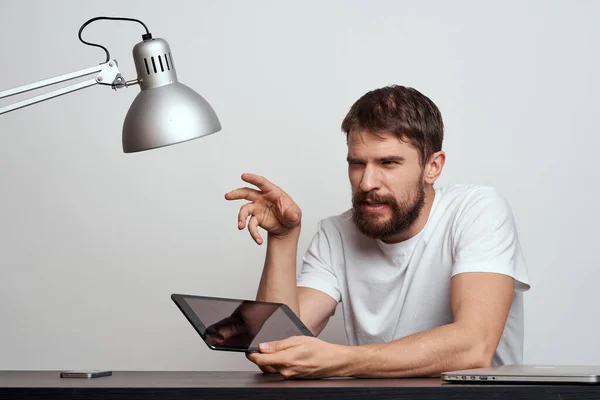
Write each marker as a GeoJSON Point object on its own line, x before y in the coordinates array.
{"type": "Point", "coordinates": [250, 385]}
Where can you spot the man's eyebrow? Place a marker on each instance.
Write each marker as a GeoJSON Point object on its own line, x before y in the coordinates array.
{"type": "Point", "coordinates": [391, 158]}
{"type": "Point", "coordinates": [379, 159]}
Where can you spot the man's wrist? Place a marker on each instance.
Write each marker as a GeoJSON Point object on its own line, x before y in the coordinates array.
{"type": "Point", "coordinates": [349, 360]}
{"type": "Point", "coordinates": [291, 235]}
{"type": "Point", "coordinates": [356, 361]}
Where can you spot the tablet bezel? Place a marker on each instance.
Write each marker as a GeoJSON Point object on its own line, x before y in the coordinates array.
{"type": "Point", "coordinates": [180, 300]}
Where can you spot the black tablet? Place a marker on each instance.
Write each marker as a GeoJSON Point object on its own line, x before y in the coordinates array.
{"type": "Point", "coordinates": [239, 325]}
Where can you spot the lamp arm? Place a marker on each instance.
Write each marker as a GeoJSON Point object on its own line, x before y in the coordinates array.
{"type": "Point", "coordinates": [107, 74]}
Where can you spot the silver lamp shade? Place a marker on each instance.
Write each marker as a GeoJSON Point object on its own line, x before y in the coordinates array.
{"type": "Point", "coordinates": [166, 111]}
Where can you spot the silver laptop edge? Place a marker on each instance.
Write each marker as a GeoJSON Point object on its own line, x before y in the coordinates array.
{"type": "Point", "coordinates": [527, 373]}
{"type": "Point", "coordinates": [525, 378]}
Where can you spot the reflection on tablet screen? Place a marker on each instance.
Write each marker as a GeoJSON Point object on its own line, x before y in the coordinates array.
{"type": "Point", "coordinates": [242, 324]}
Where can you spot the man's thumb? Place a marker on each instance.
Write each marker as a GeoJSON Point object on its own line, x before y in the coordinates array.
{"type": "Point", "coordinates": [291, 216]}
{"type": "Point", "coordinates": [274, 347]}
{"type": "Point", "coordinates": [269, 347]}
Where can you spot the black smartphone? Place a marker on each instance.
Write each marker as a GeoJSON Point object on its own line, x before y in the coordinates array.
{"type": "Point", "coordinates": [85, 374]}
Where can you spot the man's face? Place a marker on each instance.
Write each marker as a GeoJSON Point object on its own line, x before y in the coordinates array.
{"type": "Point", "coordinates": [388, 191]}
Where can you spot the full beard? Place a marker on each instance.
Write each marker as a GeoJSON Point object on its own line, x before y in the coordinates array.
{"type": "Point", "coordinates": [404, 213]}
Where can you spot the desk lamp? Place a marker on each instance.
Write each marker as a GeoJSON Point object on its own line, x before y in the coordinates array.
{"type": "Point", "coordinates": [165, 111]}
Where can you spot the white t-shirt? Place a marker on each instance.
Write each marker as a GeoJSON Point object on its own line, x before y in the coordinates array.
{"type": "Point", "coordinates": [389, 291]}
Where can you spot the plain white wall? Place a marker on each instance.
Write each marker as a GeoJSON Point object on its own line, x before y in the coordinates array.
{"type": "Point", "coordinates": [94, 241]}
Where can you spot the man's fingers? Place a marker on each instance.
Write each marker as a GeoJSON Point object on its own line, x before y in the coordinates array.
{"type": "Point", "coordinates": [268, 363]}
{"type": "Point", "coordinates": [253, 228]}
{"type": "Point", "coordinates": [242, 193]}
{"type": "Point", "coordinates": [259, 181]}
{"type": "Point", "coordinates": [251, 355]}
{"type": "Point", "coordinates": [268, 360]}
{"type": "Point", "coordinates": [274, 347]}
{"type": "Point", "coordinates": [258, 359]}
{"type": "Point", "coordinates": [245, 210]}
{"type": "Point", "coordinates": [267, 369]}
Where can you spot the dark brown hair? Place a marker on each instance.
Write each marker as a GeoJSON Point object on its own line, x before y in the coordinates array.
{"type": "Point", "coordinates": [400, 110]}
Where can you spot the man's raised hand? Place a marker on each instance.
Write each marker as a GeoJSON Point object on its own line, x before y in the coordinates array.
{"type": "Point", "coordinates": [269, 207]}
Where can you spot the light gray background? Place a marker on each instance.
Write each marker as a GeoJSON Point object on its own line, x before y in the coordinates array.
{"type": "Point", "coordinates": [93, 241]}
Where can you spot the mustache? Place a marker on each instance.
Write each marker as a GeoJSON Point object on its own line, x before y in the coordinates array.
{"type": "Point", "coordinates": [363, 197]}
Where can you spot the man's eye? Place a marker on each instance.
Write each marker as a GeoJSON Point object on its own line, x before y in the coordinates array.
{"type": "Point", "coordinates": [389, 163]}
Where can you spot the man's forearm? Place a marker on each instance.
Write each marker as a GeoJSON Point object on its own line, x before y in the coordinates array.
{"type": "Point", "coordinates": [429, 353]}
{"type": "Point", "coordinates": [278, 281]}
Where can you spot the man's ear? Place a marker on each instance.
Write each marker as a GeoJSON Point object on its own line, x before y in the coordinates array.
{"type": "Point", "coordinates": [434, 167]}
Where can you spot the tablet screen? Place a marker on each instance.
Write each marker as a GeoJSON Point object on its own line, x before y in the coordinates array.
{"type": "Point", "coordinates": [230, 324]}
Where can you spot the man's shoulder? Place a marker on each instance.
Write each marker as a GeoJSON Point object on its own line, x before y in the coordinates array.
{"type": "Point", "coordinates": [468, 191]}
{"type": "Point", "coordinates": [469, 203]}
{"type": "Point", "coordinates": [463, 197]}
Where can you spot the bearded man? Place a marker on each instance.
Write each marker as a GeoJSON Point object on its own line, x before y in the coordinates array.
{"type": "Point", "coordinates": [430, 279]}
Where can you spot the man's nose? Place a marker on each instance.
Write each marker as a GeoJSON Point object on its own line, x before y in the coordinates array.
{"type": "Point", "coordinates": [369, 180]}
